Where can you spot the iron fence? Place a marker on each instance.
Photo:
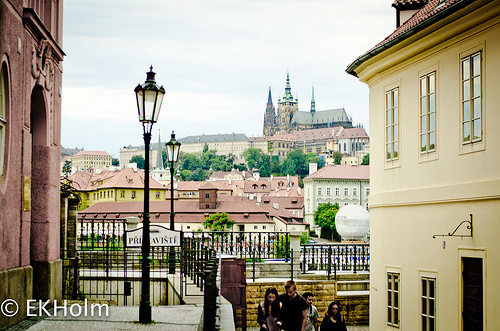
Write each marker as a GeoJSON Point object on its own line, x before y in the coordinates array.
{"type": "Point", "coordinates": [248, 245]}
{"type": "Point", "coordinates": [114, 275]}
{"type": "Point", "coordinates": [335, 257]}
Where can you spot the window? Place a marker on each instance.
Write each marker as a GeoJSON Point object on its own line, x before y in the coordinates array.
{"type": "Point", "coordinates": [319, 191]}
{"type": "Point", "coordinates": [207, 206]}
{"type": "Point", "coordinates": [428, 306]}
{"type": "Point", "coordinates": [354, 191]}
{"type": "Point", "coordinates": [428, 113]}
{"type": "Point", "coordinates": [3, 118]}
{"type": "Point", "coordinates": [346, 191]}
{"type": "Point", "coordinates": [328, 191]}
{"type": "Point", "coordinates": [157, 195]}
{"type": "Point", "coordinates": [393, 299]}
{"type": "Point", "coordinates": [207, 195]}
{"type": "Point", "coordinates": [255, 227]}
{"type": "Point", "coordinates": [133, 194]}
{"type": "Point", "coordinates": [337, 191]}
{"type": "Point", "coordinates": [122, 194]}
{"type": "Point", "coordinates": [471, 99]}
{"type": "Point", "coordinates": [391, 124]}
{"type": "Point", "coordinates": [367, 192]}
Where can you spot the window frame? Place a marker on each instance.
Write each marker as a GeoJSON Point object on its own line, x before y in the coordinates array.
{"type": "Point", "coordinates": [390, 298]}
{"type": "Point", "coordinates": [427, 96]}
{"type": "Point", "coordinates": [392, 124]}
{"type": "Point", "coordinates": [425, 299]}
{"type": "Point", "coordinates": [470, 97]}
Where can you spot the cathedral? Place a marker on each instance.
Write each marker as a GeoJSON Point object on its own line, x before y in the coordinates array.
{"type": "Point", "coordinates": [289, 119]}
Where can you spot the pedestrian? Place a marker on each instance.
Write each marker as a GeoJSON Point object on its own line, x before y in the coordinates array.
{"type": "Point", "coordinates": [312, 313]}
{"type": "Point", "coordinates": [269, 311]}
{"type": "Point", "coordinates": [294, 309]}
{"type": "Point", "coordinates": [333, 321]}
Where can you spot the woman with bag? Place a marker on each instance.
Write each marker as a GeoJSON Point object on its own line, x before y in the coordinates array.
{"type": "Point", "coordinates": [269, 311]}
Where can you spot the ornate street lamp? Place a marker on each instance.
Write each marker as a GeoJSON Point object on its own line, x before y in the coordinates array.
{"type": "Point", "coordinates": [173, 148]}
{"type": "Point", "coordinates": [149, 98]}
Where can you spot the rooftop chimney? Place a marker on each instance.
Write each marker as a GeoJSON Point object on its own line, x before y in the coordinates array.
{"type": "Point", "coordinates": [406, 8]}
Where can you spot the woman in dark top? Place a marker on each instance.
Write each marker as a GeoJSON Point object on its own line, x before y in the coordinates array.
{"type": "Point", "coordinates": [333, 320]}
{"type": "Point", "coordinates": [269, 311]}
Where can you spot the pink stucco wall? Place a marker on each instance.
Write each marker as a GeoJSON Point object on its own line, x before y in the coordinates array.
{"type": "Point", "coordinates": [32, 235]}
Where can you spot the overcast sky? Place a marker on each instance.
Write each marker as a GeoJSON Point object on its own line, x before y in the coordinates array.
{"type": "Point", "coordinates": [216, 60]}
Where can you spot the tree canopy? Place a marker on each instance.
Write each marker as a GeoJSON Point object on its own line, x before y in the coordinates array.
{"type": "Point", "coordinates": [324, 217]}
{"type": "Point", "coordinates": [337, 157]}
{"type": "Point", "coordinates": [366, 160]}
{"type": "Point", "coordinates": [139, 160]}
{"type": "Point", "coordinates": [218, 222]}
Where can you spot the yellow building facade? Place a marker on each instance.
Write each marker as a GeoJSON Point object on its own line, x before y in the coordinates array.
{"type": "Point", "coordinates": [434, 169]}
{"type": "Point", "coordinates": [111, 186]}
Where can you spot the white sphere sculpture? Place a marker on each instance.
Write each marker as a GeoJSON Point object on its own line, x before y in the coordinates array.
{"type": "Point", "coordinates": [352, 222]}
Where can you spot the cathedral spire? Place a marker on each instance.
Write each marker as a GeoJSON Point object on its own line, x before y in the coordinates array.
{"type": "Point", "coordinates": [313, 102]}
{"type": "Point", "coordinates": [159, 155]}
{"type": "Point", "coordinates": [269, 99]}
{"type": "Point", "coordinates": [288, 97]}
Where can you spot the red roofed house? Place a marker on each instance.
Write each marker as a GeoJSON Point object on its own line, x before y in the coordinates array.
{"type": "Point", "coordinates": [342, 184]}
{"type": "Point", "coordinates": [190, 214]}
{"type": "Point", "coordinates": [123, 185]}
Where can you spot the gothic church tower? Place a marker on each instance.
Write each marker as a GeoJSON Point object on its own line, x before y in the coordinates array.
{"type": "Point", "coordinates": [287, 107]}
{"type": "Point", "coordinates": [269, 117]}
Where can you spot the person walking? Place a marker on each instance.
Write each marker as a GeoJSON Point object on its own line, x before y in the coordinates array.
{"type": "Point", "coordinates": [333, 321]}
{"type": "Point", "coordinates": [312, 313]}
{"type": "Point", "coordinates": [268, 315]}
{"type": "Point", "coordinates": [294, 309]}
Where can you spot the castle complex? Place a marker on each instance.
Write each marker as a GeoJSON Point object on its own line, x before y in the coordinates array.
{"type": "Point", "coordinates": [289, 119]}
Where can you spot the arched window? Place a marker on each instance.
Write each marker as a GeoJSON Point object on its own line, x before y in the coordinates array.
{"type": "Point", "coordinates": [3, 117]}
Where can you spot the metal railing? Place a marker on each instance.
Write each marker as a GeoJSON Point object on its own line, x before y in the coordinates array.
{"type": "Point", "coordinates": [335, 257]}
{"type": "Point", "coordinates": [114, 275]}
{"type": "Point", "coordinates": [258, 245]}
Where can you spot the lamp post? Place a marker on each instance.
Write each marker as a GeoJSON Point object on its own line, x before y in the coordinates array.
{"type": "Point", "coordinates": [173, 148]}
{"type": "Point", "coordinates": [149, 98]}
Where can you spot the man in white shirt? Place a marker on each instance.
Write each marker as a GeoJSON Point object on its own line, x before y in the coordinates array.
{"type": "Point", "coordinates": [312, 313]}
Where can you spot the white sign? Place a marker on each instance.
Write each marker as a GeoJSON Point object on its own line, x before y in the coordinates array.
{"type": "Point", "coordinates": [159, 236]}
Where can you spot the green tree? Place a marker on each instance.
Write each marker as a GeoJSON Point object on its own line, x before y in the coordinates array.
{"type": "Point", "coordinates": [366, 160]}
{"type": "Point", "coordinates": [324, 217]}
{"type": "Point", "coordinates": [185, 174]}
{"type": "Point", "coordinates": [199, 175]}
{"type": "Point", "coordinates": [139, 160]}
{"type": "Point", "coordinates": [295, 163]}
{"type": "Point", "coordinates": [66, 168]}
{"type": "Point", "coordinates": [314, 158]}
{"type": "Point", "coordinates": [115, 162]}
{"type": "Point", "coordinates": [275, 165]}
{"type": "Point", "coordinates": [337, 157]}
{"type": "Point", "coordinates": [240, 167]}
{"type": "Point", "coordinates": [218, 222]}
{"type": "Point", "coordinates": [253, 157]}
{"type": "Point", "coordinates": [189, 161]}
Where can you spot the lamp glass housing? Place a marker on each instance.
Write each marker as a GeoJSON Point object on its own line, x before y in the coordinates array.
{"type": "Point", "coordinates": [173, 148]}
{"type": "Point", "coordinates": [149, 99]}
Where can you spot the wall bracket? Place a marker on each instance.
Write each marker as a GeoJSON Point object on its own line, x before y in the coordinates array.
{"type": "Point", "coordinates": [452, 234]}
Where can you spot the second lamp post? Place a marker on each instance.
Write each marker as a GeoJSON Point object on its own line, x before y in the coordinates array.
{"type": "Point", "coordinates": [173, 148]}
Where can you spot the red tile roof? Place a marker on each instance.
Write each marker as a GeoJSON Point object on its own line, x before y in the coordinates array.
{"type": "Point", "coordinates": [353, 133]}
{"type": "Point", "coordinates": [422, 19]}
{"type": "Point", "coordinates": [341, 172]}
{"type": "Point", "coordinates": [125, 178]}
